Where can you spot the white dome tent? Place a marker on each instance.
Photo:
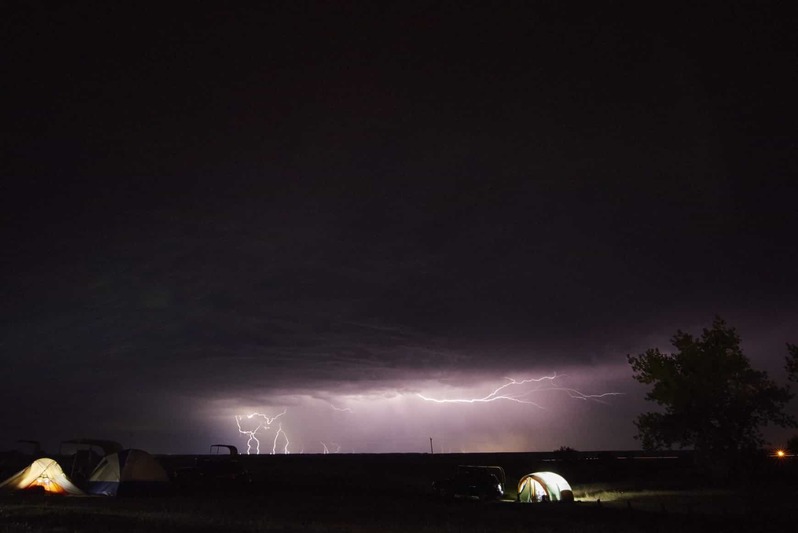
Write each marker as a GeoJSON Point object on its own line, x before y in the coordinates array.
{"type": "Point", "coordinates": [544, 486]}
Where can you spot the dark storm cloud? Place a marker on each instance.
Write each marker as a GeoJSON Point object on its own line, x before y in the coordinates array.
{"type": "Point", "coordinates": [234, 204]}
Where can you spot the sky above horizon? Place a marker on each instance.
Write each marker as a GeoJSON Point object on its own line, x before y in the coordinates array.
{"type": "Point", "coordinates": [349, 212]}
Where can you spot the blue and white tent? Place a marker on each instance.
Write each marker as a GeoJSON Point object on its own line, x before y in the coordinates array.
{"type": "Point", "coordinates": [128, 472]}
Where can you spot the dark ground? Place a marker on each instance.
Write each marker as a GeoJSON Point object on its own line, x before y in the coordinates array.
{"type": "Point", "coordinates": [393, 493]}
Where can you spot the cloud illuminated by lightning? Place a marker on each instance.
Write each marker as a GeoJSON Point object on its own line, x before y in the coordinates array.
{"type": "Point", "coordinates": [264, 422]}
{"type": "Point", "coordinates": [519, 391]}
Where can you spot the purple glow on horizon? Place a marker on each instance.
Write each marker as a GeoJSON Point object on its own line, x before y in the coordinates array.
{"type": "Point", "coordinates": [399, 417]}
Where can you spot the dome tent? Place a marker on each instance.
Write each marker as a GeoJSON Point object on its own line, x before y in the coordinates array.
{"type": "Point", "coordinates": [544, 486]}
{"type": "Point", "coordinates": [45, 473]}
{"type": "Point", "coordinates": [128, 472]}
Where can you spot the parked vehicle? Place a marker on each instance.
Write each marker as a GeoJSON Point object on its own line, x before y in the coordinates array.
{"type": "Point", "coordinates": [221, 469]}
{"type": "Point", "coordinates": [484, 483]}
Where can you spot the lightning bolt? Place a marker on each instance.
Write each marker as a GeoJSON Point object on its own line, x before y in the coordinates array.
{"type": "Point", "coordinates": [514, 391]}
{"type": "Point", "coordinates": [264, 422]}
{"type": "Point", "coordinates": [276, 436]}
{"type": "Point", "coordinates": [327, 450]}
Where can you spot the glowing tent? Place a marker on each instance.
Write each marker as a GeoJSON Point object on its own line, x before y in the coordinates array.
{"type": "Point", "coordinates": [128, 472]}
{"type": "Point", "coordinates": [544, 486]}
{"type": "Point", "coordinates": [45, 473]}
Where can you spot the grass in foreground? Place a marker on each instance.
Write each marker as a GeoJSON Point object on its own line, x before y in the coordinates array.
{"type": "Point", "coordinates": [619, 511]}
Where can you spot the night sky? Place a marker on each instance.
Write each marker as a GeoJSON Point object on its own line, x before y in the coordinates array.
{"type": "Point", "coordinates": [329, 209]}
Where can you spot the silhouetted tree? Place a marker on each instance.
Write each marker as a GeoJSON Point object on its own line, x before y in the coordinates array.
{"type": "Point", "coordinates": [711, 398]}
{"type": "Point", "coordinates": [566, 453]}
{"type": "Point", "coordinates": [792, 445]}
{"type": "Point", "coordinates": [792, 362]}
{"type": "Point", "coordinates": [565, 449]}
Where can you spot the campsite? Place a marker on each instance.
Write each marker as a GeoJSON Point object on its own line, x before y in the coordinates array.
{"type": "Point", "coordinates": [613, 491]}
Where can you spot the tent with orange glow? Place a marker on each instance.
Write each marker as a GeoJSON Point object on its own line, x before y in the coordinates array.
{"type": "Point", "coordinates": [544, 486]}
{"type": "Point", "coordinates": [42, 474]}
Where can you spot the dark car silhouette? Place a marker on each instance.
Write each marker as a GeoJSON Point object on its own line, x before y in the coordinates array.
{"type": "Point", "coordinates": [484, 483]}
{"type": "Point", "coordinates": [216, 471]}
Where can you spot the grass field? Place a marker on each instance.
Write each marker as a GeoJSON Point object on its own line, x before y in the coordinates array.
{"type": "Point", "coordinates": [392, 493]}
